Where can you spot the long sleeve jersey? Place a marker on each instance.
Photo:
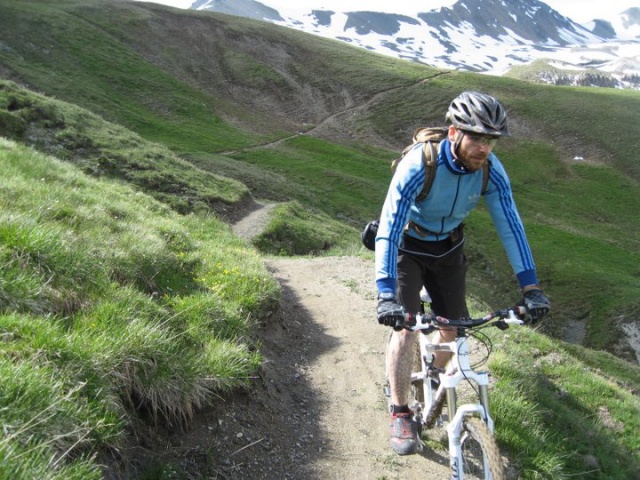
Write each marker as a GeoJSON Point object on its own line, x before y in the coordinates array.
{"type": "Point", "coordinates": [453, 195]}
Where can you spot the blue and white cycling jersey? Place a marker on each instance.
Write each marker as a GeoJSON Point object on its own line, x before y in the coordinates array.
{"type": "Point", "coordinates": [454, 194]}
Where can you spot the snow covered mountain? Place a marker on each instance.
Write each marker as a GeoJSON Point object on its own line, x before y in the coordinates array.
{"type": "Point", "coordinates": [488, 36]}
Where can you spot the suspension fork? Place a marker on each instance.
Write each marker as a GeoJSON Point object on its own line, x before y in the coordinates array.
{"type": "Point", "coordinates": [452, 401]}
{"type": "Point", "coordinates": [483, 391]}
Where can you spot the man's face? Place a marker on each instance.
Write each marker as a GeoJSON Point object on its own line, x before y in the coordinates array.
{"type": "Point", "coordinates": [473, 148]}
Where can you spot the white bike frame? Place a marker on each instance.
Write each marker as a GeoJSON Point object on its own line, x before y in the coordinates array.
{"type": "Point", "coordinates": [459, 368]}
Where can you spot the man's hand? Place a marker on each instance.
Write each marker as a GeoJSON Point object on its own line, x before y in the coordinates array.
{"type": "Point", "coordinates": [390, 312]}
{"type": "Point", "coordinates": [537, 304]}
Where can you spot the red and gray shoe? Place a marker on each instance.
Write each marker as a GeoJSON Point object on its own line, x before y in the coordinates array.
{"type": "Point", "coordinates": [403, 434]}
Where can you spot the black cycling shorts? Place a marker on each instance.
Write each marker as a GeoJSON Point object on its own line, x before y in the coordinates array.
{"type": "Point", "coordinates": [441, 267]}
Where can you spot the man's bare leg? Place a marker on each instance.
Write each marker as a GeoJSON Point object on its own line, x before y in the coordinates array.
{"type": "Point", "coordinates": [400, 365]}
{"type": "Point", "coordinates": [440, 359]}
{"type": "Point", "coordinates": [403, 428]}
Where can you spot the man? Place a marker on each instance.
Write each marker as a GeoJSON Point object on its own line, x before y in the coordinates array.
{"type": "Point", "coordinates": [421, 242]}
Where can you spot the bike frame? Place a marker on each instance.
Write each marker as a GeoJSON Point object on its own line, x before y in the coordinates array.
{"type": "Point", "coordinates": [459, 368]}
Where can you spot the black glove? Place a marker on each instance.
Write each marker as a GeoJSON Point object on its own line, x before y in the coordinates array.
{"type": "Point", "coordinates": [390, 312]}
{"type": "Point", "coordinates": [537, 304]}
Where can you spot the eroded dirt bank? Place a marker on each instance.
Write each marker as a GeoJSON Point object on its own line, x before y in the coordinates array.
{"type": "Point", "coordinates": [317, 410]}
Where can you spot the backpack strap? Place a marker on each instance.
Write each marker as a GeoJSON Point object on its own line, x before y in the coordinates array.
{"type": "Point", "coordinates": [430, 159]}
{"type": "Point", "coordinates": [485, 176]}
{"type": "Point", "coordinates": [431, 136]}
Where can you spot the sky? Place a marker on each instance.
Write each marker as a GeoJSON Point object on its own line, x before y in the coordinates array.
{"type": "Point", "coordinates": [580, 11]}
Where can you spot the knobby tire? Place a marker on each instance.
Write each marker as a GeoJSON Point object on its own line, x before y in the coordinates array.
{"type": "Point", "coordinates": [417, 386]}
{"type": "Point", "coordinates": [435, 412]}
{"type": "Point", "coordinates": [477, 438]}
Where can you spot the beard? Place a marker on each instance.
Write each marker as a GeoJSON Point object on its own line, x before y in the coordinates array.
{"type": "Point", "coordinates": [472, 163]}
{"type": "Point", "coordinates": [468, 155]}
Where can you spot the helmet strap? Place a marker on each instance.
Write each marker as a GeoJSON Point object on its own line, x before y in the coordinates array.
{"type": "Point", "coordinates": [456, 147]}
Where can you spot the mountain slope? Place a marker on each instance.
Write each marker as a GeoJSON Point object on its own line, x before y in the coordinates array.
{"type": "Point", "coordinates": [564, 409]}
{"type": "Point", "coordinates": [471, 35]}
{"type": "Point", "coordinates": [195, 74]}
{"type": "Point", "coordinates": [242, 112]}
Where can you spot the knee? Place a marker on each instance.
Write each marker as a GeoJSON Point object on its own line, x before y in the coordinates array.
{"type": "Point", "coordinates": [447, 335]}
{"type": "Point", "coordinates": [405, 338]}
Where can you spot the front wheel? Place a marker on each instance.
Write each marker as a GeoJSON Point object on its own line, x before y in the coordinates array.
{"type": "Point", "coordinates": [481, 457]}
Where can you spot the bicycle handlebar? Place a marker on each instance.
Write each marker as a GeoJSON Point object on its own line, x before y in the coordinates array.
{"type": "Point", "coordinates": [505, 317]}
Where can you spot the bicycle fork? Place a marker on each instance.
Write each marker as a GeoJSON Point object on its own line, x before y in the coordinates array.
{"type": "Point", "coordinates": [482, 380]}
{"type": "Point", "coordinates": [455, 427]}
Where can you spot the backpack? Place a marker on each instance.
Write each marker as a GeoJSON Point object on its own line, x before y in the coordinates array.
{"type": "Point", "coordinates": [431, 137]}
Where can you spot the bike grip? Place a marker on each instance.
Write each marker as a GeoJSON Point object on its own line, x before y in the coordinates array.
{"type": "Point", "coordinates": [502, 325]}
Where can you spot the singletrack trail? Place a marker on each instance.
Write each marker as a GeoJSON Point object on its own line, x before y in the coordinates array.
{"type": "Point", "coordinates": [317, 411]}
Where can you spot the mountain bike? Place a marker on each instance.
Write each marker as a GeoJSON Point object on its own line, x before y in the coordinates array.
{"type": "Point", "coordinates": [473, 451]}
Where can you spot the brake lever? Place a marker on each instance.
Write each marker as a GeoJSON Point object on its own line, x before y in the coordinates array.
{"type": "Point", "coordinates": [419, 320]}
{"type": "Point", "coordinates": [515, 315]}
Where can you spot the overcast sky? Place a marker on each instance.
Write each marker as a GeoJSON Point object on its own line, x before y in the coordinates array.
{"type": "Point", "coordinates": [578, 10]}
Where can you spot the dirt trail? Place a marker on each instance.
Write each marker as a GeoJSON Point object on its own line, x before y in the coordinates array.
{"type": "Point", "coordinates": [318, 410]}
{"type": "Point", "coordinates": [333, 122]}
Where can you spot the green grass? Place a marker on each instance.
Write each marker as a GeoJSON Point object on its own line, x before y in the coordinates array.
{"type": "Point", "coordinates": [123, 296]}
{"type": "Point", "coordinates": [105, 149]}
{"type": "Point", "coordinates": [306, 169]}
{"type": "Point", "coordinates": [292, 230]}
{"type": "Point", "coordinates": [560, 413]}
{"type": "Point", "coordinates": [347, 188]}
{"type": "Point", "coordinates": [112, 305]}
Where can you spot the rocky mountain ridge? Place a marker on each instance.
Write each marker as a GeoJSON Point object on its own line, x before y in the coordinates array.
{"type": "Point", "coordinates": [486, 36]}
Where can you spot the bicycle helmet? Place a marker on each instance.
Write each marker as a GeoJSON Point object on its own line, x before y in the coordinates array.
{"type": "Point", "coordinates": [479, 113]}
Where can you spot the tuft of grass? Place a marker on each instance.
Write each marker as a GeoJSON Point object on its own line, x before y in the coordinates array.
{"type": "Point", "coordinates": [294, 230]}
{"type": "Point", "coordinates": [104, 149]}
{"type": "Point", "coordinates": [50, 428]}
{"type": "Point", "coordinates": [120, 310]}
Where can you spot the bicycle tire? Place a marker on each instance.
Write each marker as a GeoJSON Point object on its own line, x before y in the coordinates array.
{"type": "Point", "coordinates": [477, 439]}
{"type": "Point", "coordinates": [417, 392]}
{"type": "Point", "coordinates": [435, 412]}
{"type": "Point", "coordinates": [417, 387]}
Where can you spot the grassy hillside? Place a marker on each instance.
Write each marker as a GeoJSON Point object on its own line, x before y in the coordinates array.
{"type": "Point", "coordinates": [194, 81]}
{"type": "Point", "coordinates": [174, 120]}
{"type": "Point", "coordinates": [118, 311]}
{"type": "Point", "coordinates": [113, 306]}
{"type": "Point", "coordinates": [108, 150]}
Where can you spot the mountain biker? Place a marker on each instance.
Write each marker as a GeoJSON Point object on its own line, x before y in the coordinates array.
{"type": "Point", "coordinates": [421, 243]}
